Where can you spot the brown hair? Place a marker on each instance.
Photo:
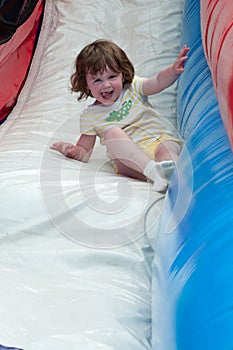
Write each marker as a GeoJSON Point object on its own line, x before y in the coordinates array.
{"type": "Point", "coordinates": [94, 58]}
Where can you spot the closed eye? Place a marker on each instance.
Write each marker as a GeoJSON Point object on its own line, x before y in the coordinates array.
{"type": "Point", "coordinates": [113, 76]}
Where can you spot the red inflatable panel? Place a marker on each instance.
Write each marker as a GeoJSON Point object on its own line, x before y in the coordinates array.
{"type": "Point", "coordinates": [217, 35]}
{"type": "Point", "coordinates": [15, 58]}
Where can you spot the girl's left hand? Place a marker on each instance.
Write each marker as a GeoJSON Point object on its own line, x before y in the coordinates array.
{"type": "Point", "coordinates": [178, 65]}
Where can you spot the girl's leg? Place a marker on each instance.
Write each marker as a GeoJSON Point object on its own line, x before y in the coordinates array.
{"type": "Point", "coordinates": [129, 172]}
{"type": "Point", "coordinates": [122, 149]}
{"type": "Point", "coordinates": [168, 150]}
{"type": "Point", "coordinates": [133, 162]}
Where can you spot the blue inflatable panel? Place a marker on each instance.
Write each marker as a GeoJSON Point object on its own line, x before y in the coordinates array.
{"type": "Point", "coordinates": [192, 290]}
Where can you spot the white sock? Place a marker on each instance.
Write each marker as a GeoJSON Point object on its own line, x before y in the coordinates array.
{"type": "Point", "coordinates": [159, 173]}
{"type": "Point", "coordinates": [166, 168]}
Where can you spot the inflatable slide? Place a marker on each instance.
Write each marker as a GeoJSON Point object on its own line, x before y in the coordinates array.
{"type": "Point", "coordinates": [94, 260]}
{"type": "Point", "coordinates": [192, 268]}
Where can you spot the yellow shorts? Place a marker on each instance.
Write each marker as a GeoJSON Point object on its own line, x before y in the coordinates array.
{"type": "Point", "coordinates": [150, 148]}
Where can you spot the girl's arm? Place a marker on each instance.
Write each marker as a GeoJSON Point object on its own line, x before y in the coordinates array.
{"type": "Point", "coordinates": [167, 76]}
{"type": "Point", "coordinates": [81, 151]}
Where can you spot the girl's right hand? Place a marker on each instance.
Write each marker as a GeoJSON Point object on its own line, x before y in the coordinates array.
{"type": "Point", "coordinates": [67, 149]}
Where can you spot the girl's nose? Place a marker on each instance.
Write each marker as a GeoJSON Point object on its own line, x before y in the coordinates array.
{"type": "Point", "coordinates": [106, 84]}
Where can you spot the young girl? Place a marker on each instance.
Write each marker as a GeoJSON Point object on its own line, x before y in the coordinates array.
{"type": "Point", "coordinates": [136, 139]}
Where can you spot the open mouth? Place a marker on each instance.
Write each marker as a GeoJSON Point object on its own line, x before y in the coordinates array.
{"type": "Point", "coordinates": [107, 94]}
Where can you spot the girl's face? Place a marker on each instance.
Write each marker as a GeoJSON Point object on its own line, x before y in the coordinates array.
{"type": "Point", "coordinates": [105, 87]}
